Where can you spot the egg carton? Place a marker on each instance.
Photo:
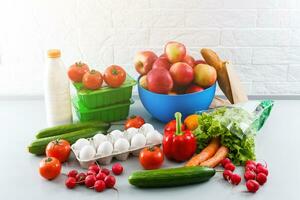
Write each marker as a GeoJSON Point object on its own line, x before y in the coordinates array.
{"type": "Point", "coordinates": [105, 160]}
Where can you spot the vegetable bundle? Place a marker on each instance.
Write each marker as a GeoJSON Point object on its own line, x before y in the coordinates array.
{"type": "Point", "coordinates": [236, 128]}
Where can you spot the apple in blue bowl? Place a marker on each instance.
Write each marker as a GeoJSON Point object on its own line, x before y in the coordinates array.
{"type": "Point", "coordinates": [161, 100]}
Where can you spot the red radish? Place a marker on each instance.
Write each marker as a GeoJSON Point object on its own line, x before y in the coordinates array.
{"type": "Point", "coordinates": [225, 161]}
{"type": "Point", "coordinates": [117, 169]}
{"type": "Point", "coordinates": [259, 164]}
{"type": "Point", "coordinates": [235, 179]}
{"type": "Point", "coordinates": [94, 168]}
{"type": "Point", "coordinates": [100, 176]}
{"type": "Point", "coordinates": [80, 178]}
{"type": "Point", "coordinates": [105, 171]}
{"type": "Point", "coordinates": [249, 175]}
{"type": "Point", "coordinates": [251, 167]}
{"type": "Point", "coordinates": [73, 173]}
{"type": "Point", "coordinates": [91, 172]}
{"type": "Point", "coordinates": [110, 181]}
{"type": "Point", "coordinates": [248, 162]}
{"type": "Point", "coordinates": [261, 178]}
{"type": "Point", "coordinates": [261, 169]}
{"type": "Point", "coordinates": [90, 181]}
{"type": "Point", "coordinates": [70, 182]}
{"type": "Point", "coordinates": [227, 175]}
{"type": "Point", "coordinates": [252, 186]}
{"type": "Point", "coordinates": [99, 186]}
{"type": "Point", "coordinates": [230, 166]}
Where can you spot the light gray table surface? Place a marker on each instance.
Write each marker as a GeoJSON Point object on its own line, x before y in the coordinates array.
{"type": "Point", "coordinates": [278, 143]}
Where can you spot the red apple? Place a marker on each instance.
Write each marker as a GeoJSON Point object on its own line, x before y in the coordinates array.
{"type": "Point", "coordinates": [175, 52]}
{"type": "Point", "coordinates": [199, 62]}
{"type": "Point", "coordinates": [182, 73]}
{"type": "Point", "coordinates": [205, 75]}
{"type": "Point", "coordinates": [143, 82]}
{"type": "Point", "coordinates": [143, 61]}
{"type": "Point", "coordinates": [161, 62]}
{"type": "Point", "coordinates": [193, 88]}
{"type": "Point", "coordinates": [163, 55]}
{"type": "Point", "coordinates": [172, 93]}
{"type": "Point", "coordinates": [159, 80]}
{"type": "Point", "coordinates": [189, 60]}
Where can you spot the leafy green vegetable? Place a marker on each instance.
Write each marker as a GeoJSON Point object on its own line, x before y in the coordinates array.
{"type": "Point", "coordinates": [232, 125]}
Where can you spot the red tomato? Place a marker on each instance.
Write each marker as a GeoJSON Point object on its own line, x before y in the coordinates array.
{"type": "Point", "coordinates": [151, 158]}
{"type": "Point", "coordinates": [114, 76]}
{"type": "Point", "coordinates": [77, 70]}
{"type": "Point", "coordinates": [59, 149]}
{"type": "Point", "coordinates": [50, 168]}
{"type": "Point", "coordinates": [92, 80]}
{"type": "Point", "coordinates": [134, 121]}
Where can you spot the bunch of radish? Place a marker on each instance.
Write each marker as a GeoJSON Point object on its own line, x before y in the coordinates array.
{"type": "Point", "coordinates": [96, 178]}
{"type": "Point", "coordinates": [255, 175]}
{"type": "Point", "coordinates": [228, 174]}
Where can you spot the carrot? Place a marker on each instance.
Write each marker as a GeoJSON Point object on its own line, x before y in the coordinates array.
{"type": "Point", "coordinates": [205, 154]}
{"type": "Point", "coordinates": [217, 158]}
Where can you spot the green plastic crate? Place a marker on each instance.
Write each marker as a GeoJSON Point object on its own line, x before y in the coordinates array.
{"type": "Point", "coordinates": [107, 114]}
{"type": "Point", "coordinates": [105, 96]}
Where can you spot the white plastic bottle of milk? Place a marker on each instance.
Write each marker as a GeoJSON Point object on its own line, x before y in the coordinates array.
{"type": "Point", "coordinates": [57, 91]}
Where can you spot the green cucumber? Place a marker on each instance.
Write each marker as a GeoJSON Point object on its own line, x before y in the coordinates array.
{"type": "Point", "coordinates": [170, 177]}
{"type": "Point", "coordinates": [67, 128]}
{"type": "Point", "coordinates": [38, 146]}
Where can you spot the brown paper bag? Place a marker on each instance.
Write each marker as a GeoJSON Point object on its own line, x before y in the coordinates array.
{"type": "Point", "coordinates": [236, 89]}
{"type": "Point", "coordinates": [238, 92]}
{"type": "Point", "coordinates": [228, 79]}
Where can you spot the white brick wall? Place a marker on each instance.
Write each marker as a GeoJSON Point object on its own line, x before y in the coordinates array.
{"type": "Point", "coordinates": [260, 37]}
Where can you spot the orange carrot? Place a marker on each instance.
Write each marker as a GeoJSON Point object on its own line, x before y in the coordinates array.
{"type": "Point", "coordinates": [205, 154]}
{"type": "Point", "coordinates": [217, 158]}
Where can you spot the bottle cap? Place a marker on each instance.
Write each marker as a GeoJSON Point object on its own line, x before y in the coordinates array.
{"type": "Point", "coordinates": [53, 53]}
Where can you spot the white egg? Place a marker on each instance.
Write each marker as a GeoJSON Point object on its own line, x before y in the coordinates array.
{"type": "Point", "coordinates": [146, 128]}
{"type": "Point", "coordinates": [138, 141]}
{"type": "Point", "coordinates": [80, 143]}
{"type": "Point", "coordinates": [115, 135]}
{"type": "Point", "coordinates": [105, 149]}
{"type": "Point", "coordinates": [129, 133]}
{"type": "Point", "coordinates": [121, 145]}
{"type": "Point", "coordinates": [98, 139]}
{"type": "Point", "coordinates": [154, 137]}
{"type": "Point", "coordinates": [87, 152]}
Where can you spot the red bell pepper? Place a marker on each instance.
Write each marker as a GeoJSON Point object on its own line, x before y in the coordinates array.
{"type": "Point", "coordinates": [170, 127]}
{"type": "Point", "coordinates": [179, 145]}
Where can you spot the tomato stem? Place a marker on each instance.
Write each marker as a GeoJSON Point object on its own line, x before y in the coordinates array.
{"type": "Point", "coordinates": [49, 159]}
{"type": "Point", "coordinates": [151, 148]}
{"type": "Point", "coordinates": [114, 71]}
{"type": "Point", "coordinates": [79, 64]}
{"type": "Point", "coordinates": [93, 71]}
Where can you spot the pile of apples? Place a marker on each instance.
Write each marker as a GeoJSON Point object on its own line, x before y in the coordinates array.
{"type": "Point", "coordinates": [174, 72]}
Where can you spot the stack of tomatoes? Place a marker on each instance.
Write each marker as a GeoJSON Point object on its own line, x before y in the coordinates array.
{"type": "Point", "coordinates": [57, 152]}
{"type": "Point", "coordinates": [114, 76]}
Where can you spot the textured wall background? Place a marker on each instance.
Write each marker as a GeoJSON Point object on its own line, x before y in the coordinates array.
{"type": "Point", "coordinates": [260, 37]}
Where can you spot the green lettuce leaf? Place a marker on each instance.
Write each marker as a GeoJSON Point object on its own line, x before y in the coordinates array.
{"type": "Point", "coordinates": [228, 124]}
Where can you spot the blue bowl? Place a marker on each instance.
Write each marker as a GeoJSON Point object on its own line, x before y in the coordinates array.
{"type": "Point", "coordinates": [163, 107]}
